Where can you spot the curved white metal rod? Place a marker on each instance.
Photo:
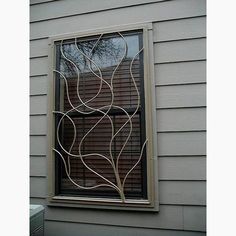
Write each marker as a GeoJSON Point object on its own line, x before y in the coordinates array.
{"type": "Point", "coordinates": [112, 77]}
{"type": "Point", "coordinates": [80, 186]}
{"type": "Point", "coordinates": [77, 72]}
{"type": "Point", "coordinates": [74, 135]}
{"type": "Point", "coordinates": [120, 187]}
{"type": "Point", "coordinates": [80, 155]}
{"type": "Point", "coordinates": [123, 184]}
{"type": "Point", "coordinates": [90, 54]}
{"type": "Point", "coordinates": [59, 123]}
{"type": "Point", "coordinates": [69, 153]}
{"type": "Point", "coordinates": [100, 77]}
{"type": "Point", "coordinates": [83, 103]}
{"type": "Point", "coordinates": [112, 100]}
{"type": "Point", "coordinates": [74, 108]}
{"type": "Point", "coordinates": [129, 117]}
{"type": "Point", "coordinates": [106, 113]}
{"type": "Point", "coordinates": [81, 158]}
{"type": "Point", "coordinates": [58, 127]}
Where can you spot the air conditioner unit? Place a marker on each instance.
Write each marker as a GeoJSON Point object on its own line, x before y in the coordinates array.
{"type": "Point", "coordinates": [36, 220]}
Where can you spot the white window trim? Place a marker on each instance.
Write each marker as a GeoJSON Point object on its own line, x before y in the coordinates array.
{"type": "Point", "coordinates": [152, 204]}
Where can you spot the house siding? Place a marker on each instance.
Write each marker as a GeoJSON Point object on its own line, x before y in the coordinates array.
{"type": "Point", "coordinates": [179, 41]}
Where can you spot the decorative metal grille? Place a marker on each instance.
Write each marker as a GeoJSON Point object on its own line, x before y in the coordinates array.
{"type": "Point", "coordinates": [100, 116]}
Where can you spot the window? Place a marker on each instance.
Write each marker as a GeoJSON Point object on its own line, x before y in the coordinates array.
{"type": "Point", "coordinates": [101, 144]}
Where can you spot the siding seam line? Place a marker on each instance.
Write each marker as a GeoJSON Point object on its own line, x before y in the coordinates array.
{"type": "Point", "coordinates": [184, 155]}
{"type": "Point", "coordinates": [179, 107]}
{"type": "Point", "coordinates": [182, 131]}
{"type": "Point", "coordinates": [153, 22]}
{"type": "Point", "coordinates": [179, 39]}
{"type": "Point", "coordinates": [180, 18]}
{"type": "Point", "coordinates": [40, 3]}
{"type": "Point", "coordinates": [180, 84]}
{"type": "Point", "coordinates": [101, 10]}
{"type": "Point", "coordinates": [39, 75]}
{"type": "Point", "coordinates": [168, 229]}
{"type": "Point", "coordinates": [170, 62]}
{"type": "Point", "coordinates": [38, 94]}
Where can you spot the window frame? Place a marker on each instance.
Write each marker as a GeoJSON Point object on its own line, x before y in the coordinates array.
{"type": "Point", "coordinates": [150, 114]}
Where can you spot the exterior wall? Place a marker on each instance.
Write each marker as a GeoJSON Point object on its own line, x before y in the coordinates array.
{"type": "Point", "coordinates": [179, 33]}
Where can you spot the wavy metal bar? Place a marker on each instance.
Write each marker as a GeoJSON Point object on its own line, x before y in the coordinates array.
{"type": "Point", "coordinates": [58, 127]}
{"type": "Point", "coordinates": [75, 108]}
{"type": "Point", "coordinates": [123, 184]}
{"type": "Point", "coordinates": [77, 72]}
{"type": "Point", "coordinates": [74, 137]}
{"type": "Point", "coordinates": [111, 88]}
{"type": "Point", "coordinates": [115, 166]}
{"type": "Point", "coordinates": [100, 77]}
{"type": "Point", "coordinates": [90, 54]}
{"type": "Point", "coordinates": [104, 113]}
{"type": "Point", "coordinates": [112, 100]}
{"type": "Point", "coordinates": [65, 114]}
{"type": "Point", "coordinates": [112, 77]}
{"type": "Point", "coordinates": [80, 186]}
{"type": "Point", "coordinates": [129, 117]}
{"type": "Point", "coordinates": [80, 155]}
